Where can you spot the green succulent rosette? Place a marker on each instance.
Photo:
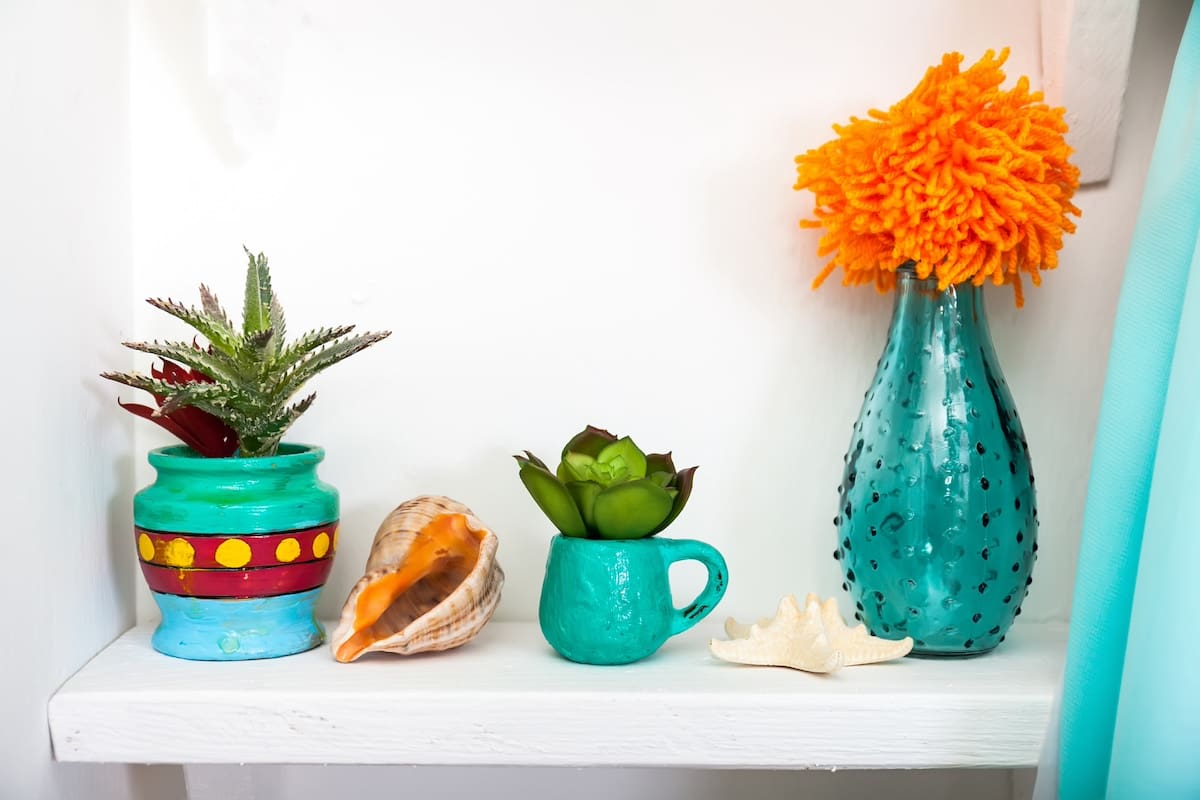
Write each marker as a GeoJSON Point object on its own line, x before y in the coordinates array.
{"type": "Point", "coordinates": [605, 487]}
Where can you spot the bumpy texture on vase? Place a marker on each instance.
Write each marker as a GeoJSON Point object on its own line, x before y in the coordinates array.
{"type": "Point", "coordinates": [812, 639]}
{"type": "Point", "coordinates": [432, 582]}
{"type": "Point", "coordinates": [937, 523]}
{"type": "Point", "coordinates": [235, 551]}
{"type": "Point", "coordinates": [609, 602]}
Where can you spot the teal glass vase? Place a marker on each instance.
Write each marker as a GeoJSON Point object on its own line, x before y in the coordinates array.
{"type": "Point", "coordinates": [937, 522]}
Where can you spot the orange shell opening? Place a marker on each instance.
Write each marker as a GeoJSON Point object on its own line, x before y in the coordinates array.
{"type": "Point", "coordinates": [443, 555]}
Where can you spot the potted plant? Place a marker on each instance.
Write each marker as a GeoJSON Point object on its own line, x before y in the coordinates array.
{"type": "Point", "coordinates": [236, 535]}
{"type": "Point", "coordinates": [606, 598]}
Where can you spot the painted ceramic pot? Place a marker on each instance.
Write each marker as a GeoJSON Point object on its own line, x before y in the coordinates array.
{"type": "Point", "coordinates": [609, 601]}
{"type": "Point", "coordinates": [235, 551]}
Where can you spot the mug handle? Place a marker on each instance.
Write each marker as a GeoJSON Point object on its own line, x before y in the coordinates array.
{"type": "Point", "coordinates": [718, 579]}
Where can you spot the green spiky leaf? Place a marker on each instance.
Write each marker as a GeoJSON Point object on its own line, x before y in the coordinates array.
{"type": "Point", "coordinates": [256, 313]}
{"type": "Point", "coordinates": [254, 371]}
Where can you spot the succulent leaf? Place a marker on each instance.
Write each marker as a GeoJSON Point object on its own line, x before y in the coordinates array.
{"type": "Point", "coordinates": [659, 462]}
{"type": "Point", "coordinates": [575, 467]}
{"type": "Point", "coordinates": [211, 364]}
{"type": "Point", "coordinates": [256, 314]}
{"type": "Point", "coordinates": [589, 441]}
{"type": "Point", "coordinates": [683, 487]}
{"type": "Point", "coordinates": [322, 359]}
{"type": "Point", "coordinates": [553, 499]}
{"type": "Point", "coordinates": [584, 493]}
{"type": "Point", "coordinates": [624, 454]}
{"type": "Point", "coordinates": [218, 336]}
{"type": "Point", "coordinates": [631, 510]}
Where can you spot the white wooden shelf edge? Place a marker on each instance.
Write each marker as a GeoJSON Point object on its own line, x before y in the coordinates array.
{"type": "Point", "coordinates": [508, 699]}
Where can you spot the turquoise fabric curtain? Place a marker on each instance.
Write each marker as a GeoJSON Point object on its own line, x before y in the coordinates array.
{"type": "Point", "coordinates": [1131, 694]}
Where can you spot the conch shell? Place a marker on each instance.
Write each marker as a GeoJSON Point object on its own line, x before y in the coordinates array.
{"type": "Point", "coordinates": [432, 583]}
{"type": "Point", "coordinates": [813, 639]}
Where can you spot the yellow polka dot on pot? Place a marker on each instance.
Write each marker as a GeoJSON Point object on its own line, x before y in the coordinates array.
{"type": "Point", "coordinates": [288, 550]}
{"type": "Point", "coordinates": [179, 553]}
{"type": "Point", "coordinates": [233, 553]}
{"type": "Point", "coordinates": [321, 544]}
{"type": "Point", "coordinates": [145, 548]}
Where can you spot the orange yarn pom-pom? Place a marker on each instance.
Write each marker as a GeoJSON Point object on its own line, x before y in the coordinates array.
{"type": "Point", "coordinates": [969, 181]}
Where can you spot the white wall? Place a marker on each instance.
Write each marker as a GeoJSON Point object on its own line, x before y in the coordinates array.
{"type": "Point", "coordinates": [65, 256]}
{"type": "Point", "coordinates": [582, 212]}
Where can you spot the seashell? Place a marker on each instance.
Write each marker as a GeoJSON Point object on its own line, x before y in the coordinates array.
{"type": "Point", "coordinates": [813, 639]}
{"type": "Point", "coordinates": [432, 582]}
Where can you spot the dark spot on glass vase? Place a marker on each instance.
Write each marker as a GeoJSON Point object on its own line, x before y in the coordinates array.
{"type": "Point", "coordinates": [887, 628]}
{"type": "Point", "coordinates": [879, 597]}
{"type": "Point", "coordinates": [849, 512]}
{"type": "Point", "coordinates": [851, 478]}
{"type": "Point", "coordinates": [837, 554]}
{"type": "Point", "coordinates": [983, 484]}
{"type": "Point", "coordinates": [976, 617]}
{"type": "Point", "coordinates": [878, 463]}
{"type": "Point", "coordinates": [850, 575]}
{"type": "Point", "coordinates": [994, 630]}
{"type": "Point", "coordinates": [1020, 536]}
{"type": "Point", "coordinates": [984, 554]}
{"type": "Point", "coordinates": [874, 497]}
{"type": "Point", "coordinates": [873, 531]}
{"type": "Point", "coordinates": [1017, 613]}
{"type": "Point", "coordinates": [1029, 581]}
{"type": "Point", "coordinates": [1035, 547]}
{"type": "Point", "coordinates": [979, 448]}
{"type": "Point", "coordinates": [969, 643]}
{"type": "Point", "coordinates": [837, 521]}
{"type": "Point", "coordinates": [859, 606]}
{"type": "Point", "coordinates": [1012, 467]}
{"type": "Point", "coordinates": [874, 564]}
{"type": "Point", "coordinates": [1008, 598]}
{"type": "Point", "coordinates": [982, 588]}
{"type": "Point", "coordinates": [1017, 504]}
{"type": "Point", "coordinates": [1017, 567]}
{"type": "Point", "coordinates": [858, 616]}
{"type": "Point", "coordinates": [970, 383]}
{"type": "Point", "coordinates": [846, 543]}
{"type": "Point", "coordinates": [986, 519]}
{"type": "Point", "coordinates": [839, 488]}
{"type": "Point", "coordinates": [845, 588]}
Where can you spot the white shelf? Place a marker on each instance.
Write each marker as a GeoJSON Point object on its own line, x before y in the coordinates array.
{"type": "Point", "coordinates": [508, 699]}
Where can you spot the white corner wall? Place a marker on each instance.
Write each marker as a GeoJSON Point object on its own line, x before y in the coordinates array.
{"type": "Point", "coordinates": [65, 251]}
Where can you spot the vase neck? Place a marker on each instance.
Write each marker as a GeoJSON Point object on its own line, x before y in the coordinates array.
{"type": "Point", "coordinates": [954, 313]}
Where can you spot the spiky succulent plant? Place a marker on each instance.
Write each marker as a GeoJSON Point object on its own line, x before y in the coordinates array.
{"type": "Point", "coordinates": [605, 487]}
{"type": "Point", "coordinates": [254, 372]}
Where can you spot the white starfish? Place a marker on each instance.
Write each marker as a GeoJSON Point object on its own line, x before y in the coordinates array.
{"type": "Point", "coordinates": [813, 639]}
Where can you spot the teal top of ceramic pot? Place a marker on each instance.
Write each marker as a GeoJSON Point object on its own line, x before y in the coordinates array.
{"type": "Point", "coordinates": [193, 494]}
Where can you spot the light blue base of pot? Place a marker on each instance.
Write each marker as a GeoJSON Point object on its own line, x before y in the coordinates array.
{"type": "Point", "coordinates": [201, 629]}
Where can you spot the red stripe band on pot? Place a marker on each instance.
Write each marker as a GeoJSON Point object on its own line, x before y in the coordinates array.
{"type": "Point", "coordinates": [261, 582]}
{"type": "Point", "coordinates": [225, 551]}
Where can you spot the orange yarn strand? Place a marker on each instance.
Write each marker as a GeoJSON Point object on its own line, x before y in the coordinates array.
{"type": "Point", "coordinates": [969, 181]}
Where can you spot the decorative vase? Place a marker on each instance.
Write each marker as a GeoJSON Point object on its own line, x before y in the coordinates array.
{"type": "Point", "coordinates": [609, 601]}
{"type": "Point", "coordinates": [937, 523]}
{"type": "Point", "coordinates": [235, 551]}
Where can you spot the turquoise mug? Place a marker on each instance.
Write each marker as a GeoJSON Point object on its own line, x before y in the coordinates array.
{"type": "Point", "coordinates": [609, 601]}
